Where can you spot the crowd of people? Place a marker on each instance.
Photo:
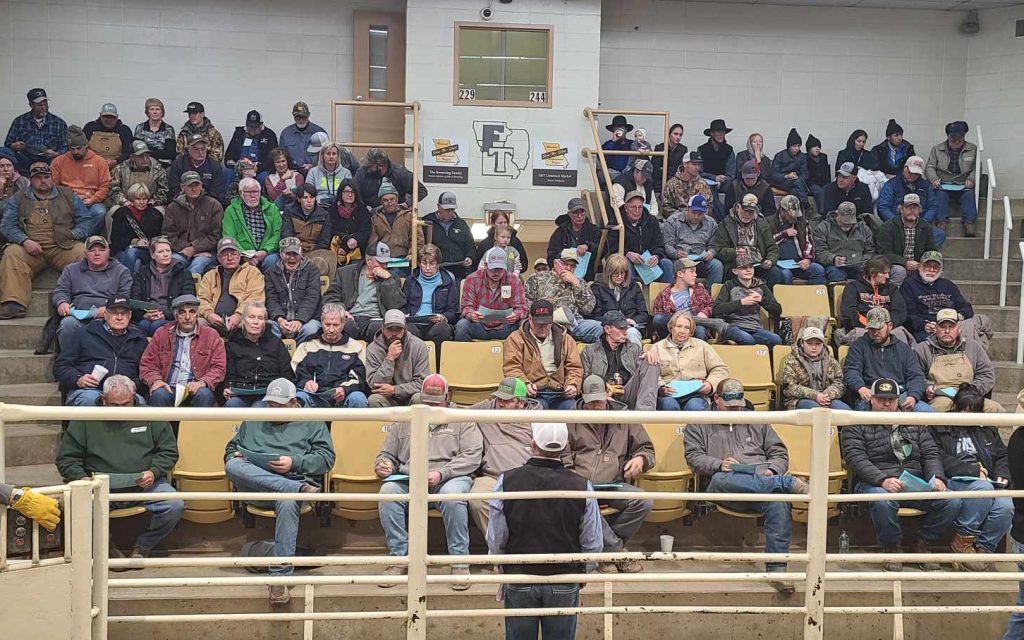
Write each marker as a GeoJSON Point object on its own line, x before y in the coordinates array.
{"type": "Point", "coordinates": [185, 266]}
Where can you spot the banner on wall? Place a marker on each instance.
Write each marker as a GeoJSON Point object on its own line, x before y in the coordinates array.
{"type": "Point", "coordinates": [445, 160]}
{"type": "Point", "coordinates": [554, 163]}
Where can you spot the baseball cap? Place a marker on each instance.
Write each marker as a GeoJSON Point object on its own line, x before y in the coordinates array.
{"type": "Point", "coordinates": [380, 251]}
{"type": "Point", "coordinates": [96, 240]}
{"type": "Point", "coordinates": [196, 138]}
{"type": "Point", "coordinates": [878, 317]}
{"type": "Point", "coordinates": [317, 141]}
{"type": "Point", "coordinates": [812, 333]}
{"type": "Point", "coordinates": [225, 244]}
{"type": "Point", "coordinates": [693, 156]}
{"type": "Point", "coordinates": [550, 436]}
{"type": "Point", "coordinates": [885, 388]}
{"type": "Point", "coordinates": [253, 118]}
{"type": "Point", "coordinates": [750, 202]}
{"type": "Point", "coordinates": [280, 391]}
{"type": "Point", "coordinates": [118, 302]}
{"type": "Point", "coordinates": [139, 147]}
{"type": "Point", "coordinates": [749, 170]}
{"type": "Point", "coordinates": [434, 390]}
{"type": "Point", "coordinates": [538, 262]}
{"type": "Point", "coordinates": [290, 245]}
{"type": "Point", "coordinates": [847, 169]}
{"type": "Point", "coordinates": [635, 193]}
{"type": "Point", "coordinates": [542, 312]}
{"type": "Point", "coordinates": [745, 259]}
{"type": "Point", "coordinates": [915, 164]}
{"type": "Point", "coordinates": [912, 198]}
{"type": "Point", "coordinates": [576, 204]}
{"type": "Point", "coordinates": [594, 389]}
{"type": "Point", "coordinates": [190, 177]}
{"type": "Point", "coordinates": [565, 255]}
{"type": "Point", "coordinates": [108, 109]}
{"type": "Point", "coordinates": [195, 107]}
{"type": "Point", "coordinates": [300, 108]}
{"type": "Point", "coordinates": [510, 388]}
{"type": "Point", "coordinates": [698, 203]}
{"type": "Point", "coordinates": [495, 258]}
{"type": "Point", "coordinates": [792, 204]}
{"type": "Point", "coordinates": [731, 393]}
{"type": "Point", "coordinates": [36, 95]}
{"type": "Point", "coordinates": [394, 318]}
{"type": "Point", "coordinates": [615, 318]}
{"type": "Point", "coordinates": [931, 256]}
{"type": "Point", "coordinates": [946, 315]}
{"type": "Point", "coordinates": [39, 169]}
{"type": "Point", "coordinates": [958, 128]}
{"type": "Point", "coordinates": [184, 299]}
{"type": "Point", "coordinates": [847, 211]}
{"type": "Point", "coordinates": [683, 263]}
{"type": "Point", "coordinates": [447, 201]}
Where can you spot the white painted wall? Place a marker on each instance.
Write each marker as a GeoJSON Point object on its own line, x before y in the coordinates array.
{"type": "Point", "coordinates": [429, 78]}
{"type": "Point", "coordinates": [767, 68]}
{"type": "Point", "coordinates": [231, 55]}
{"type": "Point", "coordinates": [995, 94]}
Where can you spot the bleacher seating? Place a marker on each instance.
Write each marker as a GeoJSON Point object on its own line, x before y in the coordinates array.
{"type": "Point", "coordinates": [353, 472]}
{"type": "Point", "coordinates": [200, 467]}
{"type": "Point", "coordinates": [473, 369]}
{"type": "Point", "coordinates": [669, 473]}
{"type": "Point", "coordinates": [751, 365]}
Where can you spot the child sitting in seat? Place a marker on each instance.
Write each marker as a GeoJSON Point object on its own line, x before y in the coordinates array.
{"type": "Point", "coordinates": [740, 302]}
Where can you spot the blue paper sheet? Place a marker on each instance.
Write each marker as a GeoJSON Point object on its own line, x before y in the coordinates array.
{"type": "Point", "coordinates": [261, 460]}
{"type": "Point", "coordinates": [696, 257]}
{"type": "Point", "coordinates": [710, 182]}
{"type": "Point", "coordinates": [83, 314]}
{"type": "Point", "coordinates": [582, 264]}
{"type": "Point", "coordinates": [396, 477]}
{"type": "Point", "coordinates": [605, 486]}
{"type": "Point", "coordinates": [949, 392]}
{"type": "Point", "coordinates": [788, 265]}
{"type": "Point", "coordinates": [953, 187]}
{"type": "Point", "coordinates": [913, 484]}
{"type": "Point", "coordinates": [645, 273]}
{"type": "Point", "coordinates": [683, 388]}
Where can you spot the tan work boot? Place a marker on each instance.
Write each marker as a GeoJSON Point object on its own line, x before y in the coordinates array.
{"type": "Point", "coordinates": [279, 594]}
{"type": "Point", "coordinates": [965, 544]}
{"type": "Point", "coordinates": [393, 570]}
{"type": "Point", "coordinates": [983, 566]}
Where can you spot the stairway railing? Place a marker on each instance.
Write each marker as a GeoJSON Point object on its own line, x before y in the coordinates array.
{"type": "Point", "coordinates": [1007, 229]}
{"type": "Point", "coordinates": [977, 166]}
{"type": "Point", "coordinates": [988, 206]}
{"type": "Point", "coordinates": [1020, 311]}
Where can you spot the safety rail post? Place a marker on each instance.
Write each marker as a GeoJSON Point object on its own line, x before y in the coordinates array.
{"type": "Point", "coordinates": [3, 450]}
{"type": "Point", "coordinates": [79, 511]}
{"type": "Point", "coordinates": [977, 166]}
{"type": "Point", "coordinates": [416, 599]}
{"type": "Point", "coordinates": [1005, 262]}
{"type": "Point", "coordinates": [988, 206]}
{"type": "Point", "coordinates": [605, 217]}
{"type": "Point", "coordinates": [817, 526]}
{"type": "Point", "coordinates": [1020, 310]}
{"type": "Point", "coordinates": [100, 555]}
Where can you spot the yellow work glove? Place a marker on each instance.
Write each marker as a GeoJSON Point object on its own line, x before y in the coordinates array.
{"type": "Point", "coordinates": [43, 509]}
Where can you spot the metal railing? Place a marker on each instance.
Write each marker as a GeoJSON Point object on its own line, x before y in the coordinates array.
{"type": "Point", "coordinates": [989, 197]}
{"type": "Point", "coordinates": [1020, 309]}
{"type": "Point", "coordinates": [417, 614]}
{"type": "Point", "coordinates": [1005, 262]}
{"type": "Point", "coordinates": [977, 166]}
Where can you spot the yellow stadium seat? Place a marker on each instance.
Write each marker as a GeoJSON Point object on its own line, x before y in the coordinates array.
{"type": "Point", "coordinates": [127, 512]}
{"type": "Point", "coordinates": [837, 297]}
{"type": "Point", "coordinates": [798, 443]}
{"type": "Point", "coordinates": [473, 369]}
{"type": "Point", "coordinates": [670, 471]}
{"type": "Point", "coordinates": [654, 290]}
{"type": "Point", "coordinates": [357, 445]}
{"type": "Point", "coordinates": [195, 278]}
{"type": "Point", "coordinates": [715, 288]}
{"type": "Point", "coordinates": [751, 365]}
{"type": "Point", "coordinates": [432, 355]}
{"type": "Point", "coordinates": [265, 512]}
{"type": "Point", "coordinates": [909, 512]}
{"type": "Point", "coordinates": [803, 300]}
{"type": "Point", "coordinates": [290, 344]}
{"type": "Point", "coordinates": [325, 282]}
{"type": "Point", "coordinates": [200, 467]}
{"type": "Point", "coordinates": [779, 354]}
{"type": "Point", "coordinates": [749, 515]}
{"type": "Point", "coordinates": [841, 353]}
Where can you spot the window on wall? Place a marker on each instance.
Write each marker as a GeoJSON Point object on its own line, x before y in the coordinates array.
{"type": "Point", "coordinates": [378, 59]}
{"type": "Point", "coordinates": [502, 65]}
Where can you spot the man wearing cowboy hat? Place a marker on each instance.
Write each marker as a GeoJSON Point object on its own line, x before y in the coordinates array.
{"type": "Point", "coordinates": [719, 160]}
{"type": "Point", "coordinates": [619, 128]}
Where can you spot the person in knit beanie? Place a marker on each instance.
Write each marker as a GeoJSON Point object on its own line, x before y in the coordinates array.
{"type": "Point", "coordinates": [789, 169]}
{"type": "Point", "coordinates": [892, 153]}
{"type": "Point", "coordinates": [818, 170]}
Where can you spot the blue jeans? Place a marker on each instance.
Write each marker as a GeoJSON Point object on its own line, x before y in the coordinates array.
{"type": "Point", "coordinates": [757, 336]}
{"type": "Point", "coordinates": [98, 215]}
{"type": "Point", "coordinates": [968, 208]}
{"type": "Point", "coordinates": [988, 519]}
{"type": "Point", "coordinates": [668, 271]}
{"type": "Point", "coordinates": [239, 402]}
{"type": "Point", "coordinates": [819, 198]}
{"type": "Point", "coordinates": [773, 276]}
{"type": "Point", "coordinates": [91, 398]}
{"type": "Point", "coordinates": [811, 404]}
{"type": "Point", "coordinates": [466, 331]}
{"type": "Point", "coordinates": [307, 331]}
{"type": "Point", "coordinates": [537, 596]}
{"type": "Point", "coordinates": [814, 274]}
{"type": "Point", "coordinates": [688, 403]}
{"type": "Point", "coordinates": [938, 518]}
{"type": "Point", "coordinates": [919, 406]}
{"type": "Point", "coordinates": [164, 398]}
{"type": "Point", "coordinates": [133, 258]}
{"type": "Point", "coordinates": [454, 514]}
{"type": "Point", "coordinates": [248, 477]}
{"type": "Point", "coordinates": [68, 327]}
{"type": "Point", "coordinates": [777, 522]}
{"type": "Point", "coordinates": [166, 514]}
{"type": "Point", "coordinates": [712, 271]}
{"type": "Point", "coordinates": [198, 264]}
{"type": "Point", "coordinates": [149, 327]}
{"type": "Point", "coordinates": [838, 274]}
{"type": "Point", "coordinates": [1015, 627]}
{"type": "Point", "coordinates": [555, 401]}
{"type": "Point", "coordinates": [353, 400]}
{"type": "Point", "coordinates": [586, 330]}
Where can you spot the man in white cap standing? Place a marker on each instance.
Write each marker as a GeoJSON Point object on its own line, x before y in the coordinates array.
{"type": "Point", "coordinates": [283, 457]}
{"type": "Point", "coordinates": [553, 525]}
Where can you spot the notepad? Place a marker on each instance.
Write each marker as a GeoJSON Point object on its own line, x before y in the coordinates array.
{"type": "Point", "coordinates": [493, 315]}
{"type": "Point", "coordinates": [607, 486]}
{"type": "Point", "coordinates": [710, 182]}
{"type": "Point", "coordinates": [696, 257]}
{"type": "Point", "coordinates": [749, 469]}
{"type": "Point", "coordinates": [181, 394]}
{"type": "Point", "coordinates": [243, 391]}
{"type": "Point", "coordinates": [582, 264]}
{"type": "Point", "coordinates": [788, 265]}
{"type": "Point", "coordinates": [683, 388]}
{"type": "Point", "coordinates": [83, 314]}
{"type": "Point", "coordinates": [913, 484]}
{"type": "Point", "coordinates": [397, 263]}
{"type": "Point", "coordinates": [261, 460]}
{"type": "Point", "coordinates": [646, 273]}
{"type": "Point", "coordinates": [123, 480]}
{"type": "Point", "coordinates": [967, 479]}
{"type": "Point", "coordinates": [143, 305]}
{"type": "Point", "coordinates": [397, 477]}
{"type": "Point", "coordinates": [953, 187]}
{"type": "Point", "coordinates": [427, 319]}
{"type": "Point", "coordinates": [949, 392]}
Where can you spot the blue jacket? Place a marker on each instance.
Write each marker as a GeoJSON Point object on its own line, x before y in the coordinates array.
{"type": "Point", "coordinates": [894, 190]}
{"type": "Point", "coordinates": [924, 300]}
{"type": "Point", "coordinates": [296, 141]}
{"type": "Point", "coordinates": [445, 299]}
{"type": "Point", "coordinates": [94, 345]}
{"type": "Point", "coordinates": [783, 163]}
{"type": "Point", "coordinates": [868, 361]}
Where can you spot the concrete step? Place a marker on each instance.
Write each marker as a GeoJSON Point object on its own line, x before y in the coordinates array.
{"type": "Point", "coordinates": [955, 247]}
{"type": "Point", "coordinates": [1009, 376]}
{"type": "Point", "coordinates": [22, 333]}
{"type": "Point", "coordinates": [33, 475]}
{"type": "Point", "coordinates": [31, 443]}
{"type": "Point", "coordinates": [22, 366]}
{"type": "Point", "coordinates": [40, 304]}
{"type": "Point", "coordinates": [1003, 345]}
{"type": "Point", "coordinates": [980, 269]}
{"type": "Point", "coordinates": [36, 394]}
{"type": "Point", "coordinates": [1003, 318]}
{"type": "Point", "coordinates": [986, 292]}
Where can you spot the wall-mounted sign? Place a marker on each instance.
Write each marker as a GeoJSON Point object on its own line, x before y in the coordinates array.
{"type": "Point", "coordinates": [446, 160]}
{"type": "Point", "coordinates": [554, 163]}
{"type": "Point", "coordinates": [504, 151]}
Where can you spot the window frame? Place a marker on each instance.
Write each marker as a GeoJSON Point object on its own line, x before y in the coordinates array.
{"type": "Point", "coordinates": [547, 103]}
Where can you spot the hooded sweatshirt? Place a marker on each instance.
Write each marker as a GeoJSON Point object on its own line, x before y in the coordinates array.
{"type": "Point", "coordinates": [860, 296]}
{"type": "Point", "coordinates": [507, 445]}
{"type": "Point", "coordinates": [565, 237]}
{"type": "Point", "coordinates": [803, 378]}
{"type": "Point", "coordinates": [924, 300]}
{"type": "Point", "coordinates": [214, 141]}
{"type": "Point", "coordinates": [453, 450]}
{"type": "Point", "coordinates": [868, 361]}
{"type": "Point", "coordinates": [863, 159]}
{"type": "Point", "coordinates": [327, 182]}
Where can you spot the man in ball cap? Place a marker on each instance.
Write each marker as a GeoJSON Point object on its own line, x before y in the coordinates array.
{"type": "Point", "coordinates": [368, 290]}
{"type": "Point", "coordinates": [573, 230]}
{"type": "Point", "coordinates": [751, 181]}
{"type": "Point", "coordinates": [454, 452]}
{"type": "Point", "coordinates": [554, 525]}
{"type": "Point", "coordinates": [545, 356]}
{"type": "Point", "coordinates": [223, 292]}
{"type": "Point", "coordinates": [562, 288]}
{"type": "Point", "coordinates": [37, 135]}
{"type": "Point", "coordinates": [905, 238]}
{"type": "Point", "coordinates": [642, 236]}
{"type": "Point", "coordinates": [631, 378]}
{"type": "Point", "coordinates": [254, 141]}
{"type": "Point", "coordinates": [84, 287]}
{"type": "Point", "coordinates": [745, 232]}
{"type": "Point", "coordinates": [950, 170]}
{"type": "Point", "coordinates": [293, 293]}
{"type": "Point", "coordinates": [451, 234]}
{"type": "Point", "coordinates": [492, 289]}
{"type": "Point", "coordinates": [296, 138]}
{"type": "Point", "coordinates": [792, 234]}
{"type": "Point", "coordinates": [878, 455]}
{"type": "Point", "coordinates": [83, 171]}
{"type": "Point", "coordinates": [199, 124]}
{"type": "Point", "coordinates": [197, 158]}
{"type": "Point", "coordinates": [876, 356]}
{"type": "Point", "coordinates": [397, 363]}
{"type": "Point", "coordinates": [842, 242]}
{"type": "Point", "coordinates": [847, 188]}
{"type": "Point", "coordinates": [110, 138]}
{"type": "Point", "coordinates": [193, 222]}
{"type": "Point", "coordinates": [685, 184]}
{"type": "Point", "coordinates": [926, 292]}
{"type": "Point", "coordinates": [911, 181]}
{"type": "Point", "coordinates": [129, 172]}
{"type": "Point", "coordinates": [280, 457]}
{"type": "Point", "coordinates": [688, 235]}
{"type": "Point", "coordinates": [949, 362]}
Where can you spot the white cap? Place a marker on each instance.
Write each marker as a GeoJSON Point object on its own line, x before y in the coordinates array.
{"type": "Point", "coordinates": [496, 258]}
{"type": "Point", "coordinates": [317, 141]}
{"type": "Point", "coordinates": [550, 436]}
{"type": "Point", "coordinates": [280, 391]}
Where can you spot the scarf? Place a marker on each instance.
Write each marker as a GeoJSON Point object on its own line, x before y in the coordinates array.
{"type": "Point", "coordinates": [745, 235]}
{"type": "Point", "coordinates": [346, 213]}
{"type": "Point", "coordinates": [901, 447]}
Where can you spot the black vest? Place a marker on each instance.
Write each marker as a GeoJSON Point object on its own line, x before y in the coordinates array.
{"type": "Point", "coordinates": [547, 525]}
{"type": "Point", "coordinates": [715, 159]}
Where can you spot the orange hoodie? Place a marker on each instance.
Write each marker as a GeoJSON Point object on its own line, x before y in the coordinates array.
{"type": "Point", "coordinates": [89, 177]}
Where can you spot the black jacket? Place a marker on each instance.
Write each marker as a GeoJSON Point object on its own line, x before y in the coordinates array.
{"type": "Point", "coordinates": [445, 299]}
{"type": "Point", "coordinates": [181, 284]}
{"type": "Point", "coordinates": [675, 160]}
{"type": "Point", "coordinates": [122, 234]}
{"type": "Point", "coordinates": [819, 170]}
{"type": "Point", "coordinates": [254, 364]}
{"type": "Point", "coordinates": [892, 237]}
{"type": "Point", "coordinates": [488, 243]}
{"type": "Point", "coordinates": [868, 453]}
{"type": "Point", "coordinates": [881, 151]}
{"type": "Point", "coordinates": [859, 297]}
{"type": "Point", "coordinates": [859, 195]}
{"type": "Point", "coordinates": [267, 140]}
{"type": "Point", "coordinates": [122, 131]}
{"type": "Point", "coordinates": [357, 226]}
{"type": "Point", "coordinates": [400, 177]}
{"type": "Point", "coordinates": [1015, 455]}
{"type": "Point", "coordinates": [864, 159]}
{"type": "Point", "coordinates": [210, 172]}
{"type": "Point", "coordinates": [735, 190]}
{"type": "Point", "coordinates": [718, 162]}
{"type": "Point", "coordinates": [631, 303]}
{"type": "Point", "coordinates": [988, 447]}
{"type": "Point", "coordinates": [644, 236]}
{"type": "Point", "coordinates": [565, 238]}
{"type": "Point", "coordinates": [94, 345]}
{"type": "Point", "coordinates": [298, 299]}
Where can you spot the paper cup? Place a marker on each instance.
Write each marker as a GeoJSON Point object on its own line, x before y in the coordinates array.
{"type": "Point", "coordinates": [99, 371]}
{"type": "Point", "coordinates": [666, 543]}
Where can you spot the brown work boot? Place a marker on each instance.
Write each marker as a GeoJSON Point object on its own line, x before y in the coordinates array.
{"type": "Point", "coordinates": [279, 594]}
{"type": "Point", "coordinates": [393, 570]}
{"type": "Point", "coordinates": [921, 546]}
{"type": "Point", "coordinates": [607, 567]}
{"type": "Point", "coordinates": [982, 566]}
{"type": "Point", "coordinates": [970, 230]}
{"type": "Point", "coordinates": [965, 544]}
{"type": "Point", "coordinates": [892, 565]}
{"type": "Point", "coordinates": [12, 311]}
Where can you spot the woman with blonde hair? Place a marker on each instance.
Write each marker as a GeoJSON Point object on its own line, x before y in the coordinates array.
{"type": "Point", "coordinates": [620, 292]}
{"type": "Point", "coordinates": [328, 174]}
{"type": "Point", "coordinates": [754, 153]}
{"type": "Point", "coordinates": [157, 134]}
{"type": "Point", "coordinates": [131, 227]}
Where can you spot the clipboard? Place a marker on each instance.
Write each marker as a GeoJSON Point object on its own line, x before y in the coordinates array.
{"type": "Point", "coordinates": [683, 388]}
{"type": "Point", "coordinates": [493, 315]}
{"type": "Point", "coordinates": [123, 480]}
{"type": "Point", "coordinates": [606, 486]}
{"type": "Point", "coordinates": [788, 265]}
{"type": "Point", "coordinates": [244, 391]}
{"type": "Point", "coordinates": [749, 469]}
{"type": "Point", "coordinates": [953, 187]}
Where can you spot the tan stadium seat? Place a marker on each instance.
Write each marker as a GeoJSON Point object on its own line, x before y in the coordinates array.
{"type": "Point", "coordinates": [751, 365]}
{"type": "Point", "coordinates": [200, 467]}
{"type": "Point", "coordinates": [325, 282]}
{"type": "Point", "coordinates": [779, 354]}
{"type": "Point", "coordinates": [803, 299]}
{"type": "Point", "coordinates": [127, 512]}
{"type": "Point", "coordinates": [798, 443]}
{"type": "Point", "coordinates": [290, 345]}
{"type": "Point", "coordinates": [268, 512]}
{"type": "Point", "coordinates": [357, 445]}
{"type": "Point", "coordinates": [655, 289]}
{"type": "Point", "coordinates": [841, 353]}
{"type": "Point", "coordinates": [837, 297]}
{"type": "Point", "coordinates": [670, 471]}
{"type": "Point", "coordinates": [432, 354]}
{"type": "Point", "coordinates": [473, 369]}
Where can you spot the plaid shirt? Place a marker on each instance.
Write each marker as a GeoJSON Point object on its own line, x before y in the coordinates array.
{"type": "Point", "coordinates": [52, 135]}
{"type": "Point", "coordinates": [476, 294]}
{"type": "Point", "coordinates": [254, 220]}
{"type": "Point", "coordinates": [954, 159]}
{"type": "Point", "coordinates": [910, 238]}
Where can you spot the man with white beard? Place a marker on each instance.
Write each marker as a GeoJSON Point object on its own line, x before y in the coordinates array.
{"type": "Point", "coordinates": [926, 292]}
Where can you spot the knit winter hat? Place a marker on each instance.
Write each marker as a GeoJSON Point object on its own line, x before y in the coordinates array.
{"type": "Point", "coordinates": [793, 138]}
{"type": "Point", "coordinates": [893, 127]}
{"type": "Point", "coordinates": [812, 142]}
{"type": "Point", "coordinates": [385, 188]}
{"type": "Point", "coordinates": [77, 137]}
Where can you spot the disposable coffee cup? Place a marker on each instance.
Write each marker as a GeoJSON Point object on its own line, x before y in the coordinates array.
{"type": "Point", "coordinates": [666, 543]}
{"type": "Point", "coordinates": [99, 371]}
